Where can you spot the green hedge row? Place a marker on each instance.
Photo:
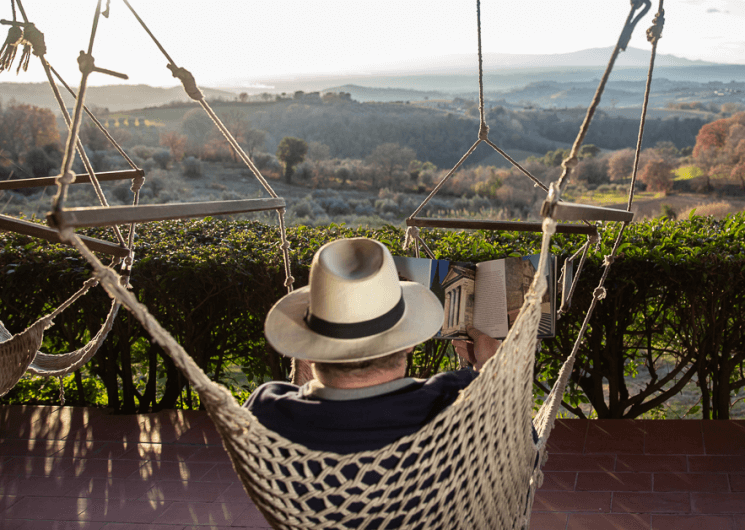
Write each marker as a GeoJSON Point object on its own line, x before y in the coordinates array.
{"type": "Point", "coordinates": [673, 317]}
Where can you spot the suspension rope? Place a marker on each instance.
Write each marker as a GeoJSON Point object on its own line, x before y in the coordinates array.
{"type": "Point", "coordinates": [571, 161]}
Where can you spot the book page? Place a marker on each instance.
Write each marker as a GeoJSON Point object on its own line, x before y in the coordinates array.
{"type": "Point", "coordinates": [490, 299]}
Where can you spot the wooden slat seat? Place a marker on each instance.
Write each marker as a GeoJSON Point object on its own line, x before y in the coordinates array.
{"type": "Point", "coordinates": [515, 226]}
{"type": "Point", "coordinates": [79, 178]}
{"type": "Point", "coordinates": [114, 215]}
{"type": "Point", "coordinates": [28, 228]}
{"type": "Point", "coordinates": [567, 211]}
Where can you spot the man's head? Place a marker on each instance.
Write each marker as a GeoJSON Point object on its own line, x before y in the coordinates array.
{"type": "Point", "coordinates": [354, 308]}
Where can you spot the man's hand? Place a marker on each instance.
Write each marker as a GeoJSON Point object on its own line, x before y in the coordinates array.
{"type": "Point", "coordinates": [478, 350]}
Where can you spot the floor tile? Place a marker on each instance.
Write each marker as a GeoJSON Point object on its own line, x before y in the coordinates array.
{"type": "Point", "coordinates": [233, 493]}
{"type": "Point", "coordinates": [38, 486]}
{"type": "Point", "coordinates": [221, 473]}
{"type": "Point", "coordinates": [202, 433]}
{"type": "Point", "coordinates": [706, 482]}
{"type": "Point", "coordinates": [162, 452]}
{"type": "Point", "coordinates": [651, 502]}
{"type": "Point", "coordinates": [651, 463]}
{"type": "Point", "coordinates": [123, 510]}
{"type": "Point", "coordinates": [213, 453]}
{"type": "Point", "coordinates": [614, 436]}
{"type": "Point", "coordinates": [614, 481]}
{"type": "Point", "coordinates": [110, 488]}
{"type": "Point", "coordinates": [48, 508]}
{"type": "Point", "coordinates": [157, 470]}
{"type": "Point", "coordinates": [6, 501]}
{"type": "Point", "coordinates": [149, 526]}
{"type": "Point", "coordinates": [548, 521]}
{"type": "Point", "coordinates": [36, 447]}
{"type": "Point", "coordinates": [672, 437]}
{"type": "Point", "coordinates": [569, 462]}
{"type": "Point", "coordinates": [11, 524]}
{"type": "Point", "coordinates": [739, 522]}
{"type": "Point", "coordinates": [111, 428]}
{"type": "Point", "coordinates": [724, 437]}
{"type": "Point", "coordinates": [17, 421]}
{"type": "Point", "coordinates": [201, 513]}
{"type": "Point", "coordinates": [100, 468]}
{"type": "Point", "coordinates": [64, 525]}
{"type": "Point", "coordinates": [692, 522]}
{"type": "Point", "coordinates": [568, 436]}
{"type": "Point", "coordinates": [93, 449]}
{"type": "Point", "coordinates": [718, 502]}
{"type": "Point", "coordinates": [172, 490]}
{"type": "Point", "coordinates": [575, 501]}
{"type": "Point", "coordinates": [559, 481]}
{"type": "Point", "coordinates": [737, 482]}
{"type": "Point", "coordinates": [251, 518]}
{"type": "Point", "coordinates": [716, 464]}
{"type": "Point", "coordinates": [36, 466]}
{"type": "Point", "coordinates": [607, 521]}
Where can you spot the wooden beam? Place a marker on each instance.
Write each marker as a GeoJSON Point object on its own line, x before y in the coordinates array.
{"type": "Point", "coordinates": [79, 178]}
{"type": "Point", "coordinates": [567, 211]}
{"type": "Point", "coordinates": [115, 215]}
{"type": "Point", "coordinates": [510, 226]}
{"type": "Point", "coordinates": [28, 228]}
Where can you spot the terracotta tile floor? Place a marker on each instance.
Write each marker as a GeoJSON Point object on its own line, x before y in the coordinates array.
{"type": "Point", "coordinates": [78, 468]}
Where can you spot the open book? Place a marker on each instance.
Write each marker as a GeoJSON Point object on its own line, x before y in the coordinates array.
{"type": "Point", "coordinates": [486, 295]}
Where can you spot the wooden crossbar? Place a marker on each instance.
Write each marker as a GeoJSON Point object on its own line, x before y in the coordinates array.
{"type": "Point", "coordinates": [114, 215]}
{"type": "Point", "coordinates": [28, 228]}
{"type": "Point", "coordinates": [512, 226]}
{"type": "Point", "coordinates": [567, 211]}
{"type": "Point", "coordinates": [79, 178]}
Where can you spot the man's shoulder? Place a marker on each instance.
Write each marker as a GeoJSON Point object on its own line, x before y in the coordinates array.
{"type": "Point", "coordinates": [270, 391]}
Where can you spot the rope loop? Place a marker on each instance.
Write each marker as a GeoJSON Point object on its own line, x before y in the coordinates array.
{"type": "Point", "coordinates": [35, 38]}
{"type": "Point", "coordinates": [190, 84]}
{"type": "Point", "coordinates": [137, 183]}
{"type": "Point", "coordinates": [412, 234]}
{"type": "Point", "coordinates": [483, 131]}
{"type": "Point", "coordinates": [289, 281]}
{"type": "Point", "coordinates": [609, 260]}
{"type": "Point", "coordinates": [599, 293]}
{"type": "Point", "coordinates": [654, 32]}
{"type": "Point", "coordinates": [628, 29]}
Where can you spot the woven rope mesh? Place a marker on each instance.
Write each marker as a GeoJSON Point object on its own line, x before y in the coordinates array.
{"type": "Point", "coordinates": [17, 352]}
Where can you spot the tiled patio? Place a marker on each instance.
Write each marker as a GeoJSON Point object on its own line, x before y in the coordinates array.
{"type": "Point", "coordinates": [78, 468]}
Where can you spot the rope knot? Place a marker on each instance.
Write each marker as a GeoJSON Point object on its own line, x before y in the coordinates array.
{"type": "Point", "coordinates": [137, 183]}
{"type": "Point", "coordinates": [570, 163]}
{"type": "Point", "coordinates": [608, 260]}
{"type": "Point", "coordinates": [412, 233]}
{"type": "Point", "coordinates": [483, 131]}
{"type": "Point", "coordinates": [599, 293]}
{"type": "Point", "coordinates": [289, 281]}
{"type": "Point", "coordinates": [285, 245]}
{"type": "Point", "coordinates": [654, 32]}
{"type": "Point", "coordinates": [35, 38]}
{"type": "Point", "coordinates": [66, 178]}
{"type": "Point", "coordinates": [190, 84]}
{"type": "Point", "coordinates": [86, 63]}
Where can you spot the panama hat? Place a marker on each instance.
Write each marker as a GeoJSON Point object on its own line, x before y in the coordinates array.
{"type": "Point", "coordinates": [354, 308]}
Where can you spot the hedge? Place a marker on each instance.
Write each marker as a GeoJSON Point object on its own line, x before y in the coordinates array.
{"type": "Point", "coordinates": [673, 315]}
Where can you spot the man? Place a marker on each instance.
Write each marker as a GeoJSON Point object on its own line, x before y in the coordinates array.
{"type": "Point", "coordinates": [355, 323]}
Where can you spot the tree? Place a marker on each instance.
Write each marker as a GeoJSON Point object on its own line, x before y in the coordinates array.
{"type": "Point", "coordinates": [175, 142]}
{"type": "Point", "coordinates": [197, 127]}
{"type": "Point", "coordinates": [291, 151]}
{"type": "Point", "coordinates": [243, 97]}
{"type": "Point", "coordinates": [390, 157]}
{"type": "Point", "coordinates": [720, 149]}
{"type": "Point", "coordinates": [23, 127]}
{"type": "Point", "coordinates": [657, 174]}
{"type": "Point", "coordinates": [594, 171]}
{"type": "Point", "coordinates": [621, 164]}
{"type": "Point", "coordinates": [318, 151]}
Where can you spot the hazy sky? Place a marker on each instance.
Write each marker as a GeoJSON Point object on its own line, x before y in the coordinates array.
{"type": "Point", "coordinates": [224, 41]}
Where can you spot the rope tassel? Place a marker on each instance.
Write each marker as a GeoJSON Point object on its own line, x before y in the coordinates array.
{"type": "Point", "coordinates": [10, 47]}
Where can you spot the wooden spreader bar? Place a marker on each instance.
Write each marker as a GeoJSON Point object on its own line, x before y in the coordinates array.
{"type": "Point", "coordinates": [114, 215]}
{"type": "Point", "coordinates": [513, 226]}
{"type": "Point", "coordinates": [79, 178]}
{"type": "Point", "coordinates": [28, 228]}
{"type": "Point", "coordinates": [567, 211]}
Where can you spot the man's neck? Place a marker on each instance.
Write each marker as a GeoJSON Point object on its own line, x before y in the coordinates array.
{"type": "Point", "coordinates": [352, 382]}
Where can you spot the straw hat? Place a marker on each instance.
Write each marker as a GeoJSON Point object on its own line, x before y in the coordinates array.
{"type": "Point", "coordinates": [354, 308]}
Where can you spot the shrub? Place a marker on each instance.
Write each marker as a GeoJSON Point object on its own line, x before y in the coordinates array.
{"type": "Point", "coordinates": [162, 157]}
{"type": "Point", "coordinates": [192, 168]}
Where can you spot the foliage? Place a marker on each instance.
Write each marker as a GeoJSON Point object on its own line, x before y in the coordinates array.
{"type": "Point", "coordinates": [720, 150]}
{"type": "Point", "coordinates": [23, 127]}
{"type": "Point", "coordinates": [192, 168]}
{"type": "Point", "coordinates": [291, 151]}
{"type": "Point", "coordinates": [676, 299]}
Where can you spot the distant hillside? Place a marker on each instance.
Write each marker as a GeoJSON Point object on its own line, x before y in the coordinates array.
{"type": "Point", "coordinates": [387, 95]}
{"type": "Point", "coordinates": [115, 97]}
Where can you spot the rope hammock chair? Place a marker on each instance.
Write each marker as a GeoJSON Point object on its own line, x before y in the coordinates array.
{"type": "Point", "coordinates": [19, 353]}
{"type": "Point", "coordinates": [471, 467]}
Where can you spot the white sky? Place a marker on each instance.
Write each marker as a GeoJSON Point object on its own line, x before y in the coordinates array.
{"type": "Point", "coordinates": [222, 41]}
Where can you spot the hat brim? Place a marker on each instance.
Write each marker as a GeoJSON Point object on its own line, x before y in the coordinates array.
{"type": "Point", "coordinates": [287, 332]}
